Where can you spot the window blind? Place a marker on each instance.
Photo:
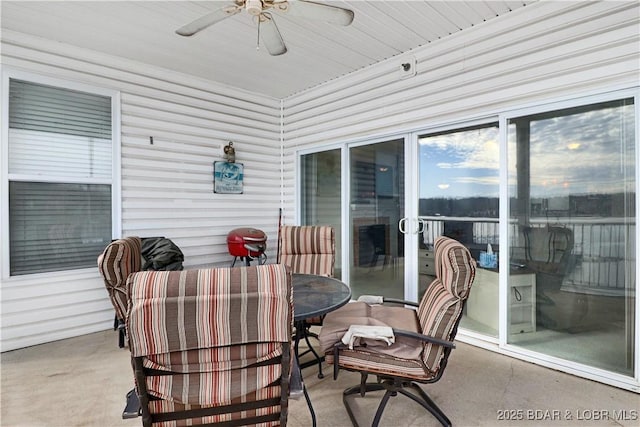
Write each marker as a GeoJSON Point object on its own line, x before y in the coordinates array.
{"type": "Point", "coordinates": [57, 134]}
{"type": "Point", "coordinates": [44, 108]}
{"type": "Point", "coordinates": [57, 226]}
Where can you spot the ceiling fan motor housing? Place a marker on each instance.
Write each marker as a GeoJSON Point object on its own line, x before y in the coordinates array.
{"type": "Point", "coordinates": [253, 7]}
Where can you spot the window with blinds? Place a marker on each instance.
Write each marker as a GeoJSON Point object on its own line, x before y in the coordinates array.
{"type": "Point", "coordinates": [60, 177]}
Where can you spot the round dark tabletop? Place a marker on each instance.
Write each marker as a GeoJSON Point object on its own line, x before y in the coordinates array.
{"type": "Point", "coordinates": [317, 295]}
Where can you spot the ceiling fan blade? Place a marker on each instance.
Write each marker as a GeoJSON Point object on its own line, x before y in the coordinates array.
{"type": "Point", "coordinates": [208, 20]}
{"type": "Point", "coordinates": [318, 11]}
{"type": "Point", "coordinates": [270, 35]}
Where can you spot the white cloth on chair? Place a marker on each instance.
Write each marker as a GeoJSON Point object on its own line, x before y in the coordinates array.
{"type": "Point", "coordinates": [371, 299]}
{"type": "Point", "coordinates": [357, 332]}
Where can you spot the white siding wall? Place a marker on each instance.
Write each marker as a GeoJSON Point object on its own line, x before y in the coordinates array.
{"type": "Point", "coordinates": [167, 187]}
{"type": "Point", "coordinates": [538, 53]}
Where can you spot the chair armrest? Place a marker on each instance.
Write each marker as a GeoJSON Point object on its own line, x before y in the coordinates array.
{"type": "Point", "coordinates": [425, 338]}
{"type": "Point", "coordinates": [401, 301]}
{"type": "Point", "coordinates": [379, 299]}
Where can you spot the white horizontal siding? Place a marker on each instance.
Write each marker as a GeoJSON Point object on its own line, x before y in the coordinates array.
{"type": "Point", "coordinates": [534, 54]}
{"type": "Point", "coordinates": [166, 187]}
{"type": "Point", "coordinates": [48, 307]}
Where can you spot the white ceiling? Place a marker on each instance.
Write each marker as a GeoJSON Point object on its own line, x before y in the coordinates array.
{"type": "Point", "coordinates": [226, 52]}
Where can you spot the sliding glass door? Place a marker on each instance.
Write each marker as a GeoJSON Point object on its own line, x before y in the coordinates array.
{"type": "Point", "coordinates": [459, 198]}
{"type": "Point", "coordinates": [375, 176]}
{"type": "Point", "coordinates": [376, 206]}
{"type": "Point", "coordinates": [545, 200]}
{"type": "Point", "coordinates": [572, 232]}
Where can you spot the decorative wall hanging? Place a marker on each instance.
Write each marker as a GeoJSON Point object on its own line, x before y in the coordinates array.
{"type": "Point", "coordinates": [228, 177]}
{"type": "Point", "coordinates": [230, 152]}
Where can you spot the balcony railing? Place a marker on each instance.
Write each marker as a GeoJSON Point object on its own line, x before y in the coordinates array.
{"type": "Point", "coordinates": [602, 259]}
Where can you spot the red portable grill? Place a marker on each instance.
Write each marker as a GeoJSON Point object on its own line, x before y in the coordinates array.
{"type": "Point", "coordinates": [247, 243]}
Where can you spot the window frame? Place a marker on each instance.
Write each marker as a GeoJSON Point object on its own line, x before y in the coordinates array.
{"type": "Point", "coordinates": [5, 177]}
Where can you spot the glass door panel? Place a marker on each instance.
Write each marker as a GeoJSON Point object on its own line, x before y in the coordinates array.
{"type": "Point", "coordinates": [571, 234]}
{"type": "Point", "coordinates": [376, 206]}
{"type": "Point", "coordinates": [321, 195]}
{"type": "Point", "coordinates": [459, 198]}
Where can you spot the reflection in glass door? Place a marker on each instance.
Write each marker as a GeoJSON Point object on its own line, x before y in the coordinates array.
{"type": "Point", "coordinates": [459, 198]}
{"type": "Point", "coordinates": [321, 196]}
{"type": "Point", "coordinates": [376, 206]}
{"type": "Point", "coordinates": [572, 227]}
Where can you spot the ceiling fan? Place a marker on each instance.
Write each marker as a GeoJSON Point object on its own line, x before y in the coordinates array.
{"type": "Point", "coordinates": [267, 29]}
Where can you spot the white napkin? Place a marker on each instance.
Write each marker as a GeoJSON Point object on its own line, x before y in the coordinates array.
{"type": "Point", "coordinates": [356, 332]}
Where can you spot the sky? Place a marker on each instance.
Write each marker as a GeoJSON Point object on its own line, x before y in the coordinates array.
{"type": "Point", "coordinates": [587, 152]}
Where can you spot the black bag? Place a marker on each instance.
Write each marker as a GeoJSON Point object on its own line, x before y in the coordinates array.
{"type": "Point", "coordinates": [160, 253]}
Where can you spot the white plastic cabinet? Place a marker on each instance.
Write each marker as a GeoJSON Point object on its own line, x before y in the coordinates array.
{"type": "Point", "coordinates": [482, 305]}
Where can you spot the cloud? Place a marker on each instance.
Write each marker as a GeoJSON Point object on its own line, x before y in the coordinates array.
{"type": "Point", "coordinates": [577, 151]}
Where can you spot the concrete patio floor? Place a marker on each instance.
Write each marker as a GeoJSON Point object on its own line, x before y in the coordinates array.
{"type": "Point", "coordinates": [83, 381]}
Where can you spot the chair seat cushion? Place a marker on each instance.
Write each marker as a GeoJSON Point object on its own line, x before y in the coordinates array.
{"type": "Point", "coordinates": [360, 359]}
{"type": "Point", "coordinates": [359, 313]}
{"type": "Point", "coordinates": [403, 358]}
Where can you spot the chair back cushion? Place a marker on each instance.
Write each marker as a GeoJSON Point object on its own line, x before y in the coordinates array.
{"type": "Point", "coordinates": [308, 249]}
{"type": "Point", "coordinates": [196, 309]}
{"type": "Point", "coordinates": [119, 259]}
{"type": "Point", "coordinates": [441, 306]}
{"type": "Point", "coordinates": [213, 329]}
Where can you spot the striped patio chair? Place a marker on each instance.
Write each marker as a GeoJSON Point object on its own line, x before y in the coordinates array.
{"type": "Point", "coordinates": [421, 339]}
{"type": "Point", "coordinates": [308, 249]}
{"type": "Point", "coordinates": [119, 259]}
{"type": "Point", "coordinates": [212, 346]}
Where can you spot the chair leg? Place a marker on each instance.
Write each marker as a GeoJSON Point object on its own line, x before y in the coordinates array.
{"type": "Point", "coordinates": [121, 333]}
{"type": "Point", "coordinates": [132, 409]}
{"type": "Point", "coordinates": [426, 402]}
{"type": "Point", "coordinates": [360, 389]}
{"type": "Point", "coordinates": [383, 404]}
{"type": "Point", "coordinates": [121, 338]}
{"type": "Point", "coordinates": [391, 389]}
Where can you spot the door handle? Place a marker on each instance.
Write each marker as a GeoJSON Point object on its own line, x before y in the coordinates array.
{"type": "Point", "coordinates": [403, 229]}
{"type": "Point", "coordinates": [401, 225]}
